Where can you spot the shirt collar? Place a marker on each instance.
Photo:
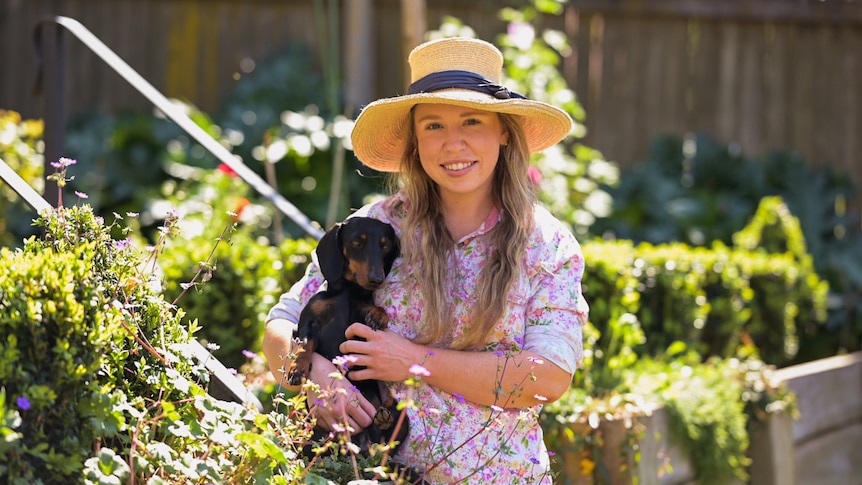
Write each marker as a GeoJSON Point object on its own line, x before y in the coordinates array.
{"type": "Point", "coordinates": [489, 223]}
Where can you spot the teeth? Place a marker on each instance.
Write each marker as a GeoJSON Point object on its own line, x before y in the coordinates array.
{"type": "Point", "coordinates": [458, 166]}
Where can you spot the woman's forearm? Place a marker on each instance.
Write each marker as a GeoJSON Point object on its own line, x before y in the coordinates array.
{"type": "Point", "coordinates": [278, 347]}
{"type": "Point", "coordinates": [518, 380]}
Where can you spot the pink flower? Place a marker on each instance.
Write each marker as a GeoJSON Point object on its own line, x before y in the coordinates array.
{"type": "Point", "coordinates": [418, 370]}
{"type": "Point", "coordinates": [535, 176]}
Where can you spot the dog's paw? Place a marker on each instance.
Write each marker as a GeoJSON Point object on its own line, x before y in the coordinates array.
{"type": "Point", "coordinates": [384, 419]}
{"type": "Point", "coordinates": [377, 318]}
{"type": "Point", "coordinates": [294, 377]}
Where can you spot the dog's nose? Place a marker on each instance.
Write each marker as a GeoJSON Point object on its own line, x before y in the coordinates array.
{"type": "Point", "coordinates": [375, 279]}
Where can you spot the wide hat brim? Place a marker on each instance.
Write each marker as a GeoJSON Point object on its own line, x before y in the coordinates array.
{"type": "Point", "coordinates": [379, 134]}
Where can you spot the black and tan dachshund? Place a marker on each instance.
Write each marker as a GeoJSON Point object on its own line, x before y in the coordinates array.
{"type": "Point", "coordinates": [355, 257]}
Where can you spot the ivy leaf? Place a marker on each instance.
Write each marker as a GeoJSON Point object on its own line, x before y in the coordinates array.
{"type": "Point", "coordinates": [262, 447]}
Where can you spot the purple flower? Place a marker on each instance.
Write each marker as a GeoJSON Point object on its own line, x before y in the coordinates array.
{"type": "Point", "coordinates": [23, 403]}
{"type": "Point", "coordinates": [122, 244]}
{"type": "Point", "coordinates": [459, 398]}
{"type": "Point", "coordinates": [535, 460]}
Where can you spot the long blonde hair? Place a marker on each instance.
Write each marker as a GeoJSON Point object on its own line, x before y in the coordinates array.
{"type": "Point", "coordinates": [426, 243]}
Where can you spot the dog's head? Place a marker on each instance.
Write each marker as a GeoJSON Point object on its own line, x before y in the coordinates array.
{"type": "Point", "coordinates": [360, 250]}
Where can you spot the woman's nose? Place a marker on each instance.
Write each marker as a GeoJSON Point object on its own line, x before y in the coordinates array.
{"type": "Point", "coordinates": [454, 139]}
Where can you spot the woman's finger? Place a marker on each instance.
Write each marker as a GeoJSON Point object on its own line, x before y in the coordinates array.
{"type": "Point", "coordinates": [360, 330]}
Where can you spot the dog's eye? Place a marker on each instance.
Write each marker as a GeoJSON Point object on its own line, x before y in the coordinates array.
{"type": "Point", "coordinates": [356, 243]}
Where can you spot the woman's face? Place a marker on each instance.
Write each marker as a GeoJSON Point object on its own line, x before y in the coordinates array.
{"type": "Point", "coordinates": [459, 147]}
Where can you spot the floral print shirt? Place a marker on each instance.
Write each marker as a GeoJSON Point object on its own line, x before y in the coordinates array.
{"type": "Point", "coordinates": [454, 440]}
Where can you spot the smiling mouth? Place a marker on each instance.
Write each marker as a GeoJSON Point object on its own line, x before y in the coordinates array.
{"type": "Point", "coordinates": [454, 167]}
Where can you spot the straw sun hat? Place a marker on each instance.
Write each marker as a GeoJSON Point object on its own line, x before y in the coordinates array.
{"type": "Point", "coordinates": [456, 71]}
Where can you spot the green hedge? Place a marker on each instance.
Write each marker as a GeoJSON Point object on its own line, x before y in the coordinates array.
{"type": "Point", "coordinates": [760, 296]}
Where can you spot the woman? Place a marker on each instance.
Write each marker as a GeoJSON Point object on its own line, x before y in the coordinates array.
{"type": "Point", "coordinates": [485, 304]}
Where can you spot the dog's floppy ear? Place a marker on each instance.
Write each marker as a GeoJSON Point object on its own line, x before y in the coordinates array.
{"type": "Point", "coordinates": [329, 255]}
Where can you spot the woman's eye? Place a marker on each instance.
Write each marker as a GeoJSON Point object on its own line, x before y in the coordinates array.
{"type": "Point", "coordinates": [472, 121]}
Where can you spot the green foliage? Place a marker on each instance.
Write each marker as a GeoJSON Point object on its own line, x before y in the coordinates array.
{"type": "Point", "coordinates": [720, 319]}
{"type": "Point", "coordinates": [695, 190]}
{"type": "Point", "coordinates": [96, 379]}
{"type": "Point", "coordinates": [67, 334]}
{"type": "Point", "coordinates": [21, 148]}
{"type": "Point", "coordinates": [241, 276]}
{"type": "Point", "coordinates": [707, 411]}
{"type": "Point", "coordinates": [121, 158]}
{"type": "Point", "coordinates": [718, 301]}
{"type": "Point", "coordinates": [271, 121]}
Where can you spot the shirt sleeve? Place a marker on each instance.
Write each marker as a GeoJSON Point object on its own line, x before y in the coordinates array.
{"type": "Point", "coordinates": [291, 303]}
{"type": "Point", "coordinates": [557, 310]}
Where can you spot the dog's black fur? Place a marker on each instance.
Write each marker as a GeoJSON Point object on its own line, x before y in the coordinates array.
{"type": "Point", "coordinates": [355, 258]}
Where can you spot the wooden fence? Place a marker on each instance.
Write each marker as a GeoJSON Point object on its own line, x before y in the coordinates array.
{"type": "Point", "coordinates": [766, 74]}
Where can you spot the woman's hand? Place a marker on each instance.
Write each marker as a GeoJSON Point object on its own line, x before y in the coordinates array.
{"type": "Point", "coordinates": [519, 380]}
{"type": "Point", "coordinates": [385, 355]}
{"type": "Point", "coordinates": [337, 398]}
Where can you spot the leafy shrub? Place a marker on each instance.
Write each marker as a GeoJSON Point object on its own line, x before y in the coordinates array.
{"type": "Point", "coordinates": [222, 237]}
{"type": "Point", "coordinates": [21, 147]}
{"type": "Point", "coordinates": [718, 301]}
{"type": "Point", "coordinates": [697, 331]}
{"type": "Point", "coordinates": [73, 309]}
{"type": "Point", "coordinates": [693, 189]}
{"type": "Point", "coordinates": [97, 383]}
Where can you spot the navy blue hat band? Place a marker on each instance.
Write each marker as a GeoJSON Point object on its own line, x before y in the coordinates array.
{"type": "Point", "coordinates": [437, 81]}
